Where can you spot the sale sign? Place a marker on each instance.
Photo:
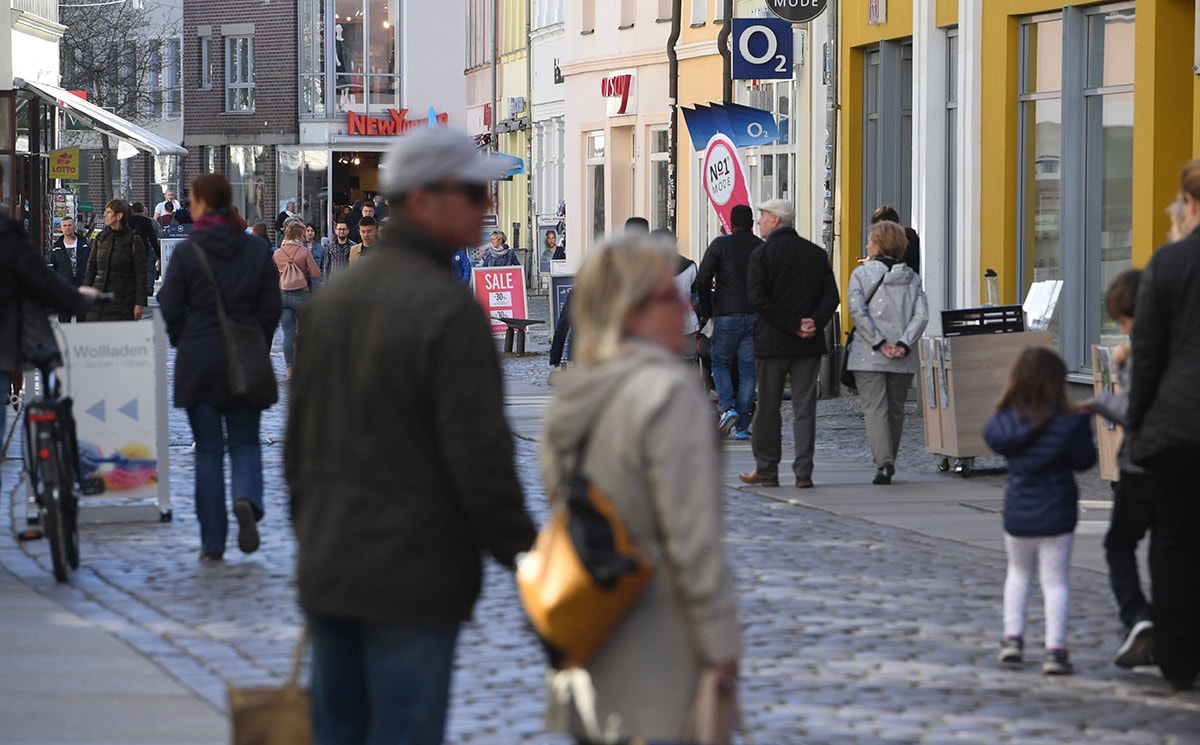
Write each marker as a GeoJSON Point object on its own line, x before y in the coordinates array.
{"type": "Point", "coordinates": [501, 292]}
{"type": "Point", "coordinates": [724, 178]}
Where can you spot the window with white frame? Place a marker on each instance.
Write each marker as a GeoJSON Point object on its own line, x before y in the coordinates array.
{"type": "Point", "coordinates": [699, 12]}
{"type": "Point", "coordinates": [206, 62]}
{"type": "Point", "coordinates": [628, 13]}
{"type": "Point", "coordinates": [172, 78]}
{"type": "Point", "coordinates": [664, 10]}
{"type": "Point", "coordinates": [660, 181]}
{"type": "Point", "coordinates": [549, 13]}
{"type": "Point", "coordinates": [587, 15]}
{"type": "Point", "coordinates": [718, 11]}
{"type": "Point", "coordinates": [595, 185]}
{"type": "Point", "coordinates": [1076, 113]}
{"type": "Point", "coordinates": [479, 33]}
{"type": "Point", "coordinates": [239, 74]}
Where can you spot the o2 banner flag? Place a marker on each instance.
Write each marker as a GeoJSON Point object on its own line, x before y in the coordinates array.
{"type": "Point", "coordinates": [724, 178]}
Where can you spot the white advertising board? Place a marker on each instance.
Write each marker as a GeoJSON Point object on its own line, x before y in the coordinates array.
{"type": "Point", "coordinates": [116, 373]}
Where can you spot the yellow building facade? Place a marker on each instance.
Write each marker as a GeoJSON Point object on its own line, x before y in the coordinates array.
{"type": "Point", "coordinates": [1037, 140]}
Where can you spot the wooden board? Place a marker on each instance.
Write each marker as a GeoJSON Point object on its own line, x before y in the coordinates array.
{"type": "Point", "coordinates": [1108, 436]}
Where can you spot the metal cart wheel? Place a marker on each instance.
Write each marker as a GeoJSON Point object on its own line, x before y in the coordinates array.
{"type": "Point", "coordinates": [943, 464]}
{"type": "Point", "coordinates": [964, 467]}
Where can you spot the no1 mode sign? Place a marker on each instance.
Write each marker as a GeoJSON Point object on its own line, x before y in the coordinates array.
{"type": "Point", "coordinates": [797, 11]}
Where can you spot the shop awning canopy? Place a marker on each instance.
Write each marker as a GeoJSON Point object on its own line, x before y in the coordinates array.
{"type": "Point", "coordinates": [101, 120]}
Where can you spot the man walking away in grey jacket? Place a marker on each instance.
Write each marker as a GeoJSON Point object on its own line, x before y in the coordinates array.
{"type": "Point", "coordinates": [392, 513]}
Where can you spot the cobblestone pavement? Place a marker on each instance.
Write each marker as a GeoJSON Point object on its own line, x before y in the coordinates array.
{"type": "Point", "coordinates": [854, 633]}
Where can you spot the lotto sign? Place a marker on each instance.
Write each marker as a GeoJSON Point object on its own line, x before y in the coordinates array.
{"type": "Point", "coordinates": [501, 292]}
{"type": "Point", "coordinates": [724, 178]}
{"type": "Point", "coordinates": [64, 164]}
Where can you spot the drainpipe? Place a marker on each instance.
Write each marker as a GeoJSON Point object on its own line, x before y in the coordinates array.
{"type": "Point", "coordinates": [530, 227]}
{"type": "Point", "coordinates": [495, 82]}
{"type": "Point", "coordinates": [726, 54]}
{"type": "Point", "coordinates": [831, 128]}
{"type": "Point", "coordinates": [673, 104]}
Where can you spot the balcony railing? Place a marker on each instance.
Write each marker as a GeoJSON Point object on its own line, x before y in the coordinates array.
{"type": "Point", "coordinates": [45, 8]}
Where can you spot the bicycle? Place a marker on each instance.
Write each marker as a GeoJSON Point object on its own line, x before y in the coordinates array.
{"type": "Point", "coordinates": [52, 463]}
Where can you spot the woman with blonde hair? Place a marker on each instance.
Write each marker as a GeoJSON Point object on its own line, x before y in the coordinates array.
{"type": "Point", "coordinates": [297, 269]}
{"type": "Point", "coordinates": [889, 311]}
{"type": "Point", "coordinates": [637, 419]}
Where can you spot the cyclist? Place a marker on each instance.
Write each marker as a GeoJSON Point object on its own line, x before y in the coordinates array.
{"type": "Point", "coordinates": [24, 274]}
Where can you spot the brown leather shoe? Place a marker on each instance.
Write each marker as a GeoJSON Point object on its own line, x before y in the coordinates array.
{"type": "Point", "coordinates": [754, 478]}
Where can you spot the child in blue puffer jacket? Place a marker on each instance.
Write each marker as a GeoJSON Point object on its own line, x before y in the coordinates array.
{"type": "Point", "coordinates": [1044, 441]}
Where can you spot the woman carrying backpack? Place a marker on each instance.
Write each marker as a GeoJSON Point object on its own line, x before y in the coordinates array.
{"type": "Point", "coordinates": [296, 267]}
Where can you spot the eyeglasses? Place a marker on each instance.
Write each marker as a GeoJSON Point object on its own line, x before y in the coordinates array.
{"type": "Point", "coordinates": [109, 212]}
{"type": "Point", "coordinates": [477, 193]}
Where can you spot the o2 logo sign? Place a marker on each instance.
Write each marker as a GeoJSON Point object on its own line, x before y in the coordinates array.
{"type": "Point", "coordinates": [762, 49]}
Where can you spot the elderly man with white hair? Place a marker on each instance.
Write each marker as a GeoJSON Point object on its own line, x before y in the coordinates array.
{"type": "Point", "coordinates": [791, 287]}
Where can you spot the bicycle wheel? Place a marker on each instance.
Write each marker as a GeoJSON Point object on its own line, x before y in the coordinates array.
{"type": "Point", "coordinates": [53, 520]}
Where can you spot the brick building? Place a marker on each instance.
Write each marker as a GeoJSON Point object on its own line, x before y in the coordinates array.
{"type": "Point", "coordinates": [288, 111]}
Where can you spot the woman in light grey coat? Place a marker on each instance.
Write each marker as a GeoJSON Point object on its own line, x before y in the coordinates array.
{"type": "Point", "coordinates": [886, 332]}
{"type": "Point", "coordinates": [653, 450]}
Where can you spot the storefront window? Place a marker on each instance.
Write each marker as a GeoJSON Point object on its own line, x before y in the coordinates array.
{"type": "Point", "coordinates": [1076, 114]}
{"type": "Point", "coordinates": [302, 175]}
{"type": "Point", "coordinates": [366, 33]}
{"type": "Point", "coordinates": [246, 171]}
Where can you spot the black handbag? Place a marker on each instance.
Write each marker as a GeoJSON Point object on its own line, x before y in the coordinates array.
{"type": "Point", "coordinates": [247, 352]}
{"type": "Point", "coordinates": [847, 375]}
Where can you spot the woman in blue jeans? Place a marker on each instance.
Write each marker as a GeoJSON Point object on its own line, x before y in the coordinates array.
{"type": "Point", "coordinates": [248, 282]}
{"type": "Point", "coordinates": [297, 269]}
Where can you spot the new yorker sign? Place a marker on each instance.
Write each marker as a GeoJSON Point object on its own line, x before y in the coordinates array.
{"type": "Point", "coordinates": [396, 123]}
{"type": "Point", "coordinates": [797, 11]}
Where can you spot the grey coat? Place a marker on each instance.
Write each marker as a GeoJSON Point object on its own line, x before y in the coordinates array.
{"type": "Point", "coordinates": [654, 453]}
{"type": "Point", "coordinates": [898, 314]}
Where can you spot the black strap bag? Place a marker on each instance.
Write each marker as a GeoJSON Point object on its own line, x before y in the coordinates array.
{"type": "Point", "coordinates": [847, 376]}
{"type": "Point", "coordinates": [247, 352]}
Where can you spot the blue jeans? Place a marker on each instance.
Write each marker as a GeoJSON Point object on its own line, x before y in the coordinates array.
{"type": "Point", "coordinates": [212, 428]}
{"type": "Point", "coordinates": [379, 684]}
{"type": "Point", "coordinates": [733, 338]}
{"type": "Point", "coordinates": [292, 300]}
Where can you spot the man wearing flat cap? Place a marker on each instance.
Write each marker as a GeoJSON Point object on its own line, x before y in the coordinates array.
{"type": "Point", "coordinates": [393, 511]}
{"type": "Point", "coordinates": [791, 287]}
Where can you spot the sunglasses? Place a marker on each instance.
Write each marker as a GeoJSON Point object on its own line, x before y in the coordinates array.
{"type": "Point", "coordinates": [477, 193]}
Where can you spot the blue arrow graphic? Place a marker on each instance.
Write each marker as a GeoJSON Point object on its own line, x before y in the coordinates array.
{"type": "Point", "coordinates": [130, 410]}
{"type": "Point", "coordinates": [97, 410]}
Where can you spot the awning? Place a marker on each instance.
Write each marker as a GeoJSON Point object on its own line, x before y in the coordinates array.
{"type": "Point", "coordinates": [101, 120]}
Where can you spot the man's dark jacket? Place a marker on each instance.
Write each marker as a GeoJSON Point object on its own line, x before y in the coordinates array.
{"type": "Point", "coordinates": [1165, 397]}
{"type": "Point", "coordinates": [398, 457]}
{"type": "Point", "coordinates": [24, 275]}
{"type": "Point", "coordinates": [789, 279]}
{"type": "Point", "coordinates": [61, 259]}
{"type": "Point", "coordinates": [249, 283]}
{"type": "Point", "coordinates": [726, 260]}
{"type": "Point", "coordinates": [148, 230]}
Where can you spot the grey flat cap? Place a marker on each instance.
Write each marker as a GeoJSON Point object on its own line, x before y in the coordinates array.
{"type": "Point", "coordinates": [779, 207]}
{"type": "Point", "coordinates": [429, 155]}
